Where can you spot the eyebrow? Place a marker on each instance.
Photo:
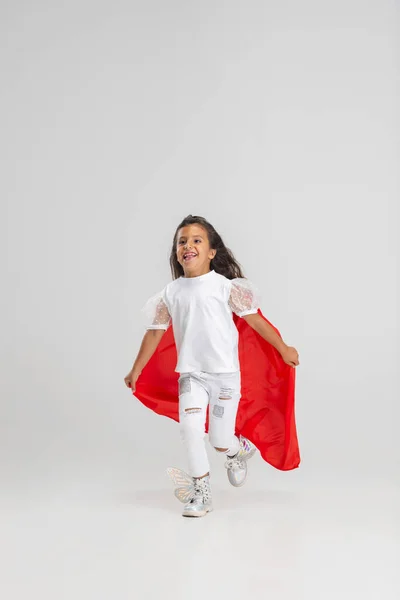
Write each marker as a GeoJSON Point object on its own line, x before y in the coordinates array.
{"type": "Point", "coordinates": [184, 236]}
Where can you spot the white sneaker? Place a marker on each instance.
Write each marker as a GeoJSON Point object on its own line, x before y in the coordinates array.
{"type": "Point", "coordinates": [196, 493]}
{"type": "Point", "coordinates": [237, 465]}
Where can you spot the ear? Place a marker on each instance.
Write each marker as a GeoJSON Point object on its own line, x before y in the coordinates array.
{"type": "Point", "coordinates": [212, 253]}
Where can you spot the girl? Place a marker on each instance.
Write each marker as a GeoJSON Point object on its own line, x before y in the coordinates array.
{"type": "Point", "coordinates": [207, 287]}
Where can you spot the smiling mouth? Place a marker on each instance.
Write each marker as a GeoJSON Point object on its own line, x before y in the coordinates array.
{"type": "Point", "coordinates": [188, 256]}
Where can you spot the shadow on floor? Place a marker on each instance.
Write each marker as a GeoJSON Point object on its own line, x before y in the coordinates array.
{"type": "Point", "coordinates": [163, 499]}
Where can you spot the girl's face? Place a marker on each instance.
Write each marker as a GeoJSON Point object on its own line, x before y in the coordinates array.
{"type": "Point", "coordinates": [193, 250]}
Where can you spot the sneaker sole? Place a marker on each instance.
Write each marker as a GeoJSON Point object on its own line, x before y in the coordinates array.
{"type": "Point", "coordinates": [192, 515]}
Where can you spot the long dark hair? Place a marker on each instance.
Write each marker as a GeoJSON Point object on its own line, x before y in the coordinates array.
{"type": "Point", "coordinates": [223, 263]}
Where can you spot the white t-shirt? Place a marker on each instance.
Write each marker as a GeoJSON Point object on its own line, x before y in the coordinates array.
{"type": "Point", "coordinates": [201, 309]}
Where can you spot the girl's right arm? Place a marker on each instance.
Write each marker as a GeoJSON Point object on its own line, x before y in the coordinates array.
{"type": "Point", "coordinates": [150, 341]}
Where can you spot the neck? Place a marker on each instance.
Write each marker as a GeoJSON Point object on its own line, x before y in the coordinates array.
{"type": "Point", "coordinates": [196, 273]}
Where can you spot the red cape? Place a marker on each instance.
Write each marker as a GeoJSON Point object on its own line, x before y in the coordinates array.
{"type": "Point", "coordinates": [266, 414]}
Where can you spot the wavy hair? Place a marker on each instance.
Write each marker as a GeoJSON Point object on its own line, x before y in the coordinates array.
{"type": "Point", "coordinates": [223, 263]}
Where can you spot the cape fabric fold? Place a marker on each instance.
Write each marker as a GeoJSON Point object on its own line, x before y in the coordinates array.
{"type": "Point", "coordinates": [266, 414]}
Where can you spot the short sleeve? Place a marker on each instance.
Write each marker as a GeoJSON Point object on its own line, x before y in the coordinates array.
{"type": "Point", "coordinates": [244, 298]}
{"type": "Point", "coordinates": [156, 312]}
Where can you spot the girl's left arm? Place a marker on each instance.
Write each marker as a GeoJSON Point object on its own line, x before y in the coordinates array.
{"type": "Point", "coordinates": [288, 353]}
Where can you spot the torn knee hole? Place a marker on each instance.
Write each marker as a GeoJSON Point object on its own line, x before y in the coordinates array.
{"type": "Point", "coordinates": [225, 394]}
{"type": "Point", "coordinates": [190, 411]}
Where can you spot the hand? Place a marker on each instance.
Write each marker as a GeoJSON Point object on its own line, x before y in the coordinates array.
{"type": "Point", "coordinates": [131, 379]}
{"type": "Point", "coordinates": [291, 356]}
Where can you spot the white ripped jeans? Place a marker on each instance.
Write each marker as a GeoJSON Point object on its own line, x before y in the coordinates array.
{"type": "Point", "coordinates": [219, 391]}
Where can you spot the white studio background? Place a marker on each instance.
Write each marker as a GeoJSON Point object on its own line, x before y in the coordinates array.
{"type": "Point", "coordinates": [277, 121]}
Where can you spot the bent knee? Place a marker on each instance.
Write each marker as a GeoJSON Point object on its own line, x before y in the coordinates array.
{"type": "Point", "coordinates": [220, 442]}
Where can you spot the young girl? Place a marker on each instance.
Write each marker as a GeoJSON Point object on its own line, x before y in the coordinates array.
{"type": "Point", "coordinates": [207, 287]}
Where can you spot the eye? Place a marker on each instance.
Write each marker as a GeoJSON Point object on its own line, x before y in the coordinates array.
{"type": "Point", "coordinates": [181, 242]}
{"type": "Point", "coordinates": [197, 240]}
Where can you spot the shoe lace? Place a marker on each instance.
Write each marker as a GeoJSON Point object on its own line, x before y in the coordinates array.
{"type": "Point", "coordinates": [234, 462]}
{"type": "Point", "coordinates": [201, 490]}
